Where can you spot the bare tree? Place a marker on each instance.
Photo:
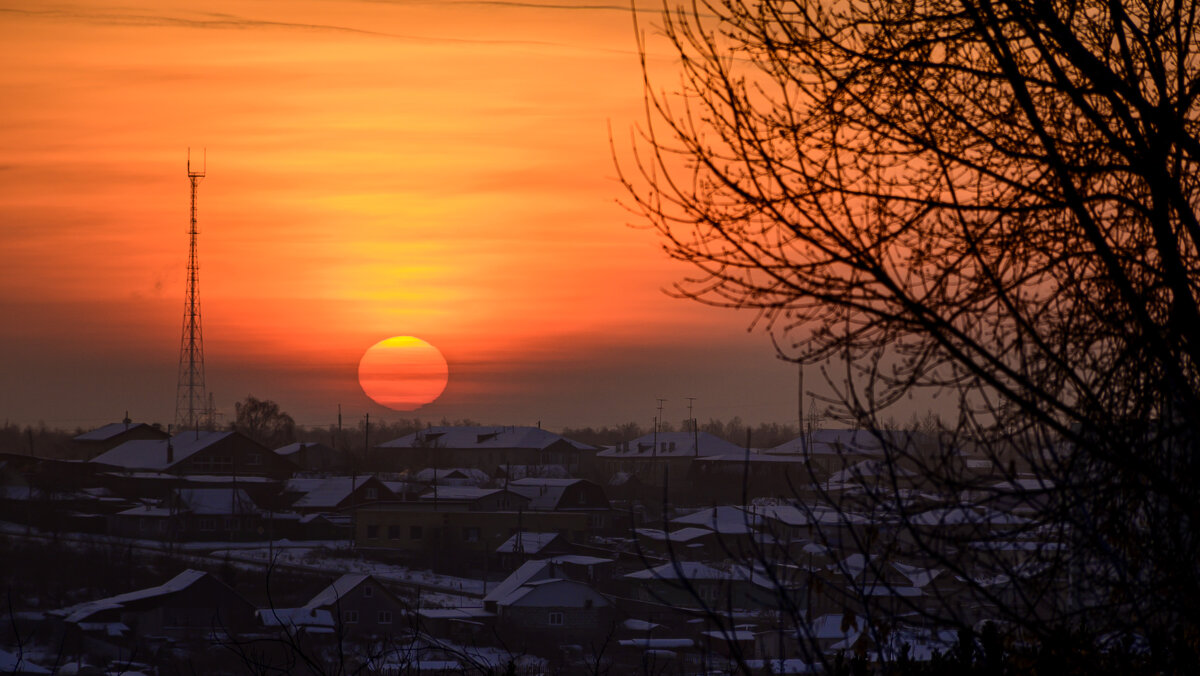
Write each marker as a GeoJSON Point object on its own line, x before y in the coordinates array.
{"type": "Point", "coordinates": [992, 200]}
{"type": "Point", "coordinates": [265, 422]}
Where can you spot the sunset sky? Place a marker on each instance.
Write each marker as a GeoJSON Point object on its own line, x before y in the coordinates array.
{"type": "Point", "coordinates": [435, 169]}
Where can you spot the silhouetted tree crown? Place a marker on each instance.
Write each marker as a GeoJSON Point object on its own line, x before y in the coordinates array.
{"type": "Point", "coordinates": [994, 201]}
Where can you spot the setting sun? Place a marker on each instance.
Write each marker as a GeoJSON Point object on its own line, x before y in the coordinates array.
{"type": "Point", "coordinates": [403, 373]}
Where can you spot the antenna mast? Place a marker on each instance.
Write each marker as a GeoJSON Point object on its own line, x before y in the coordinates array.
{"type": "Point", "coordinates": [190, 404]}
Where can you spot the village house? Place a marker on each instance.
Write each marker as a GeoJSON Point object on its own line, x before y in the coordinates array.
{"type": "Point", "coordinates": [107, 437]}
{"type": "Point", "coordinates": [192, 607]}
{"type": "Point", "coordinates": [227, 453]}
{"type": "Point", "coordinates": [359, 606]}
{"type": "Point", "coordinates": [334, 494]}
{"type": "Point", "coordinates": [194, 515]}
{"type": "Point", "coordinates": [482, 448]}
{"type": "Point", "coordinates": [453, 536]}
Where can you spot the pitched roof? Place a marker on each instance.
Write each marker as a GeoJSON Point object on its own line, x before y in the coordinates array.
{"type": "Point", "coordinates": [110, 430]}
{"type": "Point", "coordinates": [672, 445]}
{"type": "Point", "coordinates": [152, 453]}
{"type": "Point", "coordinates": [330, 595]}
{"type": "Point", "coordinates": [79, 613]}
{"type": "Point", "coordinates": [529, 571]}
{"type": "Point", "coordinates": [292, 449]}
{"type": "Point", "coordinates": [543, 493]}
{"type": "Point", "coordinates": [482, 437]}
{"type": "Point", "coordinates": [325, 493]}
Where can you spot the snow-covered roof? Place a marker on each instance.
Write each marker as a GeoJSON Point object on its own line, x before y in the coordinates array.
{"type": "Point", "coordinates": [633, 624]}
{"type": "Point", "coordinates": [330, 595]}
{"type": "Point", "coordinates": [841, 442]}
{"type": "Point", "coordinates": [528, 572]}
{"type": "Point", "coordinates": [676, 536]}
{"type": "Point", "coordinates": [325, 493]}
{"type": "Point", "coordinates": [531, 543]}
{"type": "Point", "coordinates": [657, 643]}
{"type": "Point", "coordinates": [671, 445]}
{"type": "Point", "coordinates": [431, 475]}
{"type": "Point", "coordinates": [78, 613]}
{"type": "Point", "coordinates": [109, 431]}
{"type": "Point", "coordinates": [543, 493]}
{"type": "Point", "coordinates": [958, 516]}
{"type": "Point", "coordinates": [554, 593]}
{"type": "Point", "coordinates": [868, 469]}
{"type": "Point", "coordinates": [482, 437]}
{"type": "Point", "coordinates": [523, 471]}
{"type": "Point", "coordinates": [795, 515]}
{"type": "Point", "coordinates": [691, 570]}
{"type": "Point", "coordinates": [464, 493]}
{"type": "Point", "coordinates": [724, 519]}
{"type": "Point", "coordinates": [152, 453]}
{"type": "Point", "coordinates": [292, 449]}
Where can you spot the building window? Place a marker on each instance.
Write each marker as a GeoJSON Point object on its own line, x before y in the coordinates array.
{"type": "Point", "coordinates": [372, 531]}
{"type": "Point", "coordinates": [231, 524]}
{"type": "Point", "coordinates": [471, 534]}
{"type": "Point", "coordinates": [556, 619]}
{"type": "Point", "coordinates": [208, 524]}
{"type": "Point", "coordinates": [393, 532]}
{"type": "Point", "coordinates": [372, 493]}
{"type": "Point", "coordinates": [350, 617]}
{"type": "Point", "coordinates": [385, 617]}
{"type": "Point", "coordinates": [415, 533]}
{"type": "Point", "coordinates": [368, 591]}
{"type": "Point", "coordinates": [254, 459]}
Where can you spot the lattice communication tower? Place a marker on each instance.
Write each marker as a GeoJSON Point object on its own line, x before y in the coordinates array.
{"type": "Point", "coordinates": [191, 402]}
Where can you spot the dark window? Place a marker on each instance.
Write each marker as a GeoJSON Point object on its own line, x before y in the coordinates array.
{"type": "Point", "coordinates": [368, 591]}
{"type": "Point", "coordinates": [393, 532]}
{"type": "Point", "coordinates": [385, 617]}
{"type": "Point", "coordinates": [556, 619]}
{"type": "Point", "coordinates": [372, 531]}
{"type": "Point", "coordinates": [350, 617]}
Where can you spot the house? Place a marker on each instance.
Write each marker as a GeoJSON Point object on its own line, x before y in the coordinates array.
{"type": "Point", "coordinates": [194, 514]}
{"type": "Point", "coordinates": [314, 457]}
{"type": "Point", "coordinates": [193, 606]}
{"type": "Point", "coordinates": [453, 476]}
{"type": "Point", "coordinates": [483, 448]}
{"type": "Point", "coordinates": [473, 498]}
{"type": "Point", "coordinates": [108, 437]}
{"type": "Point", "coordinates": [360, 605]}
{"type": "Point", "coordinates": [691, 584]}
{"type": "Point", "coordinates": [663, 457]}
{"type": "Point", "coordinates": [544, 614]}
{"type": "Point", "coordinates": [566, 495]}
{"type": "Point", "coordinates": [540, 606]}
{"type": "Point", "coordinates": [228, 453]}
{"type": "Point", "coordinates": [523, 546]}
{"type": "Point", "coordinates": [335, 494]}
{"type": "Point", "coordinates": [451, 536]}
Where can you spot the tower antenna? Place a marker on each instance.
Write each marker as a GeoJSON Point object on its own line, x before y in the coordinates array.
{"type": "Point", "coordinates": [190, 395]}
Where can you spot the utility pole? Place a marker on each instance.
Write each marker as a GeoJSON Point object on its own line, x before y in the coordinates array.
{"type": "Point", "coordinates": [657, 421]}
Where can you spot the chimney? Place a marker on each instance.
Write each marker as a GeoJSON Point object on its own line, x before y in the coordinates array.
{"type": "Point", "coordinates": [170, 453]}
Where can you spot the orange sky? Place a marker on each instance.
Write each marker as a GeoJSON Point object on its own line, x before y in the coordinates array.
{"type": "Point", "coordinates": [436, 169]}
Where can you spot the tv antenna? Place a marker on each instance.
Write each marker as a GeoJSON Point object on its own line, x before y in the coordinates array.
{"type": "Point", "coordinates": [190, 396]}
